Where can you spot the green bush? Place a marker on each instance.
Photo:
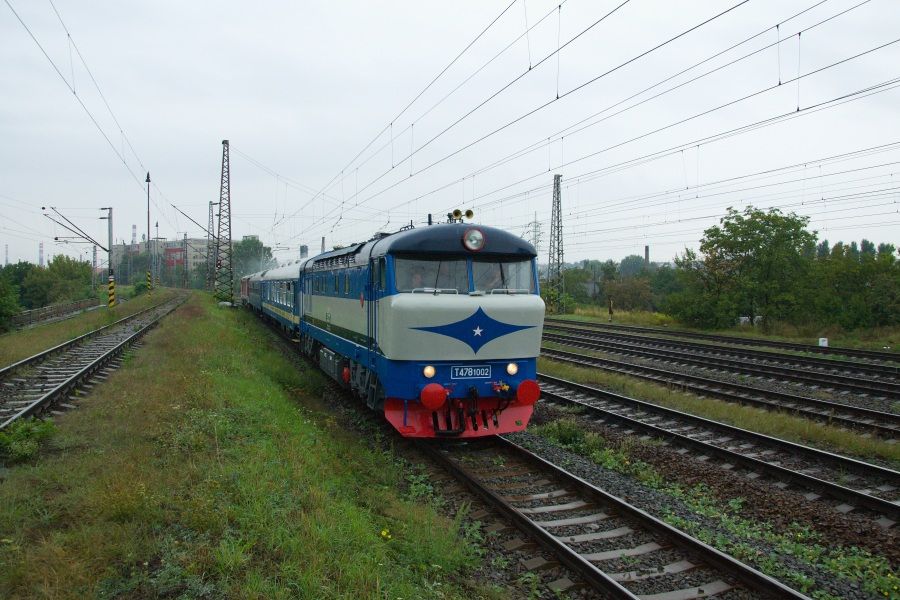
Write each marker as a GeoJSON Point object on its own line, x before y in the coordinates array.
{"type": "Point", "coordinates": [21, 440]}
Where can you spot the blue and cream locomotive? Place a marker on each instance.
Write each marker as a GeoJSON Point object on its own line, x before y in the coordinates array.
{"type": "Point", "coordinates": [439, 327]}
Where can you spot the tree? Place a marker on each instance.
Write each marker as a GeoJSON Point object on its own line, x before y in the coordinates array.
{"type": "Point", "coordinates": [631, 293]}
{"type": "Point", "coordinates": [632, 265]}
{"type": "Point", "coordinates": [249, 256]}
{"type": "Point", "coordinates": [663, 283]}
{"type": "Point", "coordinates": [577, 284]}
{"type": "Point", "coordinates": [9, 301]}
{"type": "Point", "coordinates": [64, 280]}
{"type": "Point", "coordinates": [16, 273]}
{"type": "Point", "coordinates": [760, 256]}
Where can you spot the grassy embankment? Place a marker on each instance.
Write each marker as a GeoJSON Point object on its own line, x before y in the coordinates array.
{"type": "Point", "coordinates": [199, 470]}
{"type": "Point", "coordinates": [878, 338]}
{"type": "Point", "coordinates": [17, 345]}
{"type": "Point", "coordinates": [776, 424]}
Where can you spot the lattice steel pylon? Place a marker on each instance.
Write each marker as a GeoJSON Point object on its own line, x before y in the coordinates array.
{"type": "Point", "coordinates": [555, 284]}
{"type": "Point", "coordinates": [224, 290]}
{"type": "Point", "coordinates": [210, 250]}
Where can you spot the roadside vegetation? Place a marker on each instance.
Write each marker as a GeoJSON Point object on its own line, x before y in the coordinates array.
{"type": "Point", "coordinates": [199, 470]}
{"type": "Point", "coordinates": [16, 345]}
{"type": "Point", "coordinates": [762, 268]}
{"type": "Point", "coordinates": [726, 527]}
{"type": "Point", "coordinates": [776, 424]}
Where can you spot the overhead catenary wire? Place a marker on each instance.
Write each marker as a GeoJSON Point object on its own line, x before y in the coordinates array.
{"type": "Point", "coordinates": [839, 100]}
{"type": "Point", "coordinates": [389, 126]}
{"type": "Point", "coordinates": [120, 155]}
{"type": "Point", "coordinates": [547, 141]}
{"type": "Point", "coordinates": [520, 76]}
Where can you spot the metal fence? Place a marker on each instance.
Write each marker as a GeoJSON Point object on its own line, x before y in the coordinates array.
{"type": "Point", "coordinates": [36, 315]}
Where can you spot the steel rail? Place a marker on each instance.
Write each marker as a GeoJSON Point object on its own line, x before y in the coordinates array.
{"type": "Point", "coordinates": [887, 389]}
{"type": "Point", "coordinates": [746, 575]}
{"type": "Point", "coordinates": [878, 505]}
{"type": "Point", "coordinates": [763, 355]}
{"type": "Point", "coordinates": [62, 389]}
{"type": "Point", "coordinates": [882, 423]}
{"type": "Point", "coordinates": [44, 354]}
{"type": "Point", "coordinates": [742, 341]}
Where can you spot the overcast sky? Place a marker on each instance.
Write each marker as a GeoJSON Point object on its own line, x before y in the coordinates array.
{"type": "Point", "coordinates": [652, 144]}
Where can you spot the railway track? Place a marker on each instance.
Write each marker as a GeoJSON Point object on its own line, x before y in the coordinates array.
{"type": "Point", "coordinates": [737, 341]}
{"type": "Point", "coordinates": [826, 365]}
{"type": "Point", "coordinates": [618, 549]}
{"type": "Point", "coordinates": [823, 475]}
{"type": "Point", "coordinates": [45, 381]}
{"type": "Point", "coordinates": [884, 424]}
{"type": "Point", "coordinates": [712, 358]}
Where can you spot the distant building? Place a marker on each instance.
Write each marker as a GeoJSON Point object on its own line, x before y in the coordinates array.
{"type": "Point", "coordinates": [171, 252]}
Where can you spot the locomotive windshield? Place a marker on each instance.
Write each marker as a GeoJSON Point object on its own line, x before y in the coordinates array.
{"type": "Point", "coordinates": [449, 275]}
{"type": "Point", "coordinates": [502, 276]}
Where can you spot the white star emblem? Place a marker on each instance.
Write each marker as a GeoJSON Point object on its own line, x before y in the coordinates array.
{"type": "Point", "coordinates": [477, 331]}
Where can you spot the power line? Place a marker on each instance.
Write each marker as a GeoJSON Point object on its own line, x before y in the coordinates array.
{"type": "Point", "coordinates": [834, 102]}
{"type": "Point", "coordinates": [566, 131]}
{"type": "Point", "coordinates": [513, 81]}
{"type": "Point", "coordinates": [419, 95]}
{"type": "Point", "coordinates": [90, 115]}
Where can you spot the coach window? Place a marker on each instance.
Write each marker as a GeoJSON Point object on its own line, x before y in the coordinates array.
{"type": "Point", "coordinates": [347, 283]}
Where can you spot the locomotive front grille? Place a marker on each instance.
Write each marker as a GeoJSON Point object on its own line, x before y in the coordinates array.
{"type": "Point", "coordinates": [455, 421]}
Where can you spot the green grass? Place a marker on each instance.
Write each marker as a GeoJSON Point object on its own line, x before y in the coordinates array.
{"type": "Point", "coordinates": [877, 338]}
{"type": "Point", "coordinates": [22, 440]}
{"type": "Point", "coordinates": [198, 470]}
{"type": "Point", "coordinates": [872, 573]}
{"type": "Point", "coordinates": [776, 424]}
{"type": "Point", "coordinates": [625, 317]}
{"type": "Point", "coordinates": [17, 345]}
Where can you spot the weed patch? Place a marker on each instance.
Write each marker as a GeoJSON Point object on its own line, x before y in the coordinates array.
{"type": "Point", "coordinates": [22, 440]}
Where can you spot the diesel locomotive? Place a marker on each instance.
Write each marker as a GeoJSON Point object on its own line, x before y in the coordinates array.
{"type": "Point", "coordinates": [438, 327]}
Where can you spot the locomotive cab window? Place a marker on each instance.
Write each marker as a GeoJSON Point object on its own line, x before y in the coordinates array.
{"type": "Point", "coordinates": [499, 276]}
{"type": "Point", "coordinates": [444, 276]}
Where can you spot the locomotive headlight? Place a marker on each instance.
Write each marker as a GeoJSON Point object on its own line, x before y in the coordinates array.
{"type": "Point", "coordinates": [428, 371]}
{"type": "Point", "coordinates": [512, 368]}
{"type": "Point", "coordinates": [473, 240]}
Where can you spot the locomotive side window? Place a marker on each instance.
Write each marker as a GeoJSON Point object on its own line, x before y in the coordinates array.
{"type": "Point", "coordinates": [502, 275]}
{"type": "Point", "coordinates": [418, 275]}
{"type": "Point", "coordinates": [382, 274]}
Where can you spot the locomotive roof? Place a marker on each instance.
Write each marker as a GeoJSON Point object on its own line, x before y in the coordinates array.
{"type": "Point", "coordinates": [443, 238]}
{"type": "Point", "coordinates": [446, 238]}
